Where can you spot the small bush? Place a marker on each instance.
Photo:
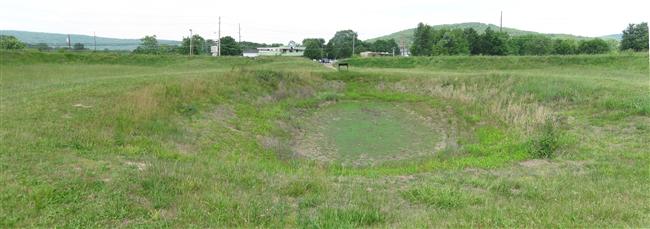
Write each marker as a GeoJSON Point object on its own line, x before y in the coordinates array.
{"type": "Point", "coordinates": [546, 143]}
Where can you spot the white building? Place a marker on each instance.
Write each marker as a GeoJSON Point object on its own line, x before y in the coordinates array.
{"type": "Point", "coordinates": [251, 53]}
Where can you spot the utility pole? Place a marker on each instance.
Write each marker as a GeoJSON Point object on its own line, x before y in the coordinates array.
{"type": "Point", "coordinates": [69, 46]}
{"type": "Point", "coordinates": [95, 40]}
{"type": "Point", "coordinates": [219, 39]}
{"type": "Point", "coordinates": [354, 37]}
{"type": "Point", "coordinates": [501, 22]}
{"type": "Point", "coordinates": [393, 51]}
{"type": "Point", "coordinates": [403, 48]}
{"type": "Point", "coordinates": [239, 25]}
{"type": "Point", "coordinates": [190, 42]}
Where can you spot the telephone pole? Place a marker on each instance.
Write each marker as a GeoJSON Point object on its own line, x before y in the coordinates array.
{"type": "Point", "coordinates": [501, 22]}
{"type": "Point", "coordinates": [69, 45]}
{"type": "Point", "coordinates": [239, 25]}
{"type": "Point", "coordinates": [190, 42]}
{"type": "Point", "coordinates": [219, 39]}
{"type": "Point", "coordinates": [354, 37]}
{"type": "Point", "coordinates": [95, 40]}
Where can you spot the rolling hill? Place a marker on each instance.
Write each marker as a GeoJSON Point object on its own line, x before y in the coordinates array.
{"type": "Point", "coordinates": [407, 34]}
{"type": "Point", "coordinates": [59, 40]}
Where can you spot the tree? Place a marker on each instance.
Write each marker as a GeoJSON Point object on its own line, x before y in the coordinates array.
{"type": "Point", "coordinates": [451, 43]}
{"type": "Point", "coordinates": [78, 47]}
{"type": "Point", "coordinates": [635, 37]}
{"type": "Point", "coordinates": [314, 48]}
{"type": "Point", "coordinates": [422, 41]}
{"type": "Point", "coordinates": [531, 44]}
{"type": "Point", "coordinates": [148, 45]}
{"type": "Point", "coordinates": [472, 38]}
{"type": "Point", "coordinates": [10, 42]}
{"type": "Point", "coordinates": [198, 45]}
{"type": "Point", "coordinates": [493, 43]}
{"type": "Point", "coordinates": [388, 46]}
{"type": "Point", "coordinates": [564, 47]}
{"type": "Point", "coordinates": [42, 47]}
{"type": "Point", "coordinates": [594, 46]}
{"type": "Point", "coordinates": [340, 46]}
{"type": "Point", "coordinates": [230, 47]}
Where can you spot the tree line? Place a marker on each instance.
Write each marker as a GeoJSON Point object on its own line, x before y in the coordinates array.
{"type": "Point", "coordinates": [341, 46]}
{"type": "Point", "coordinates": [427, 42]}
{"type": "Point", "coordinates": [430, 42]}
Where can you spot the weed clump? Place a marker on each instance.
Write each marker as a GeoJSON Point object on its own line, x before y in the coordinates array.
{"type": "Point", "coordinates": [547, 141]}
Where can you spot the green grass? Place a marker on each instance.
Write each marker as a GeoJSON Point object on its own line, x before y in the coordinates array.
{"type": "Point", "coordinates": [363, 131]}
{"type": "Point", "coordinates": [100, 140]}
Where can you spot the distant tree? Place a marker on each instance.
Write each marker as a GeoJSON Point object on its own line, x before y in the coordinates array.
{"type": "Point", "coordinates": [148, 45]}
{"type": "Point", "coordinates": [472, 38]}
{"type": "Point", "coordinates": [635, 37]}
{"type": "Point", "coordinates": [168, 49]}
{"type": "Point", "coordinates": [247, 45]}
{"type": "Point", "coordinates": [198, 45]}
{"type": "Point", "coordinates": [422, 41]}
{"type": "Point", "coordinates": [78, 47]}
{"type": "Point", "coordinates": [532, 44]}
{"type": "Point", "coordinates": [42, 47]}
{"type": "Point", "coordinates": [493, 43]}
{"type": "Point", "coordinates": [388, 46]}
{"type": "Point", "coordinates": [593, 46]}
{"type": "Point", "coordinates": [230, 47]}
{"type": "Point", "coordinates": [314, 48]}
{"type": "Point", "coordinates": [564, 47]}
{"type": "Point", "coordinates": [452, 42]}
{"type": "Point", "coordinates": [340, 46]}
{"type": "Point", "coordinates": [10, 42]}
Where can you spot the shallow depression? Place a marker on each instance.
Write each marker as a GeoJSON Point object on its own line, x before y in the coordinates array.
{"type": "Point", "coordinates": [367, 133]}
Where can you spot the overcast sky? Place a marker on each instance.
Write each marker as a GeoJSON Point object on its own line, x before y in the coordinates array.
{"type": "Point", "coordinates": [284, 20]}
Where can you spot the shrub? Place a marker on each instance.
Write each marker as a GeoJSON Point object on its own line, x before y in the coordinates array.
{"type": "Point", "coordinates": [595, 46]}
{"type": "Point", "coordinates": [546, 143]}
{"type": "Point", "coordinates": [10, 42]}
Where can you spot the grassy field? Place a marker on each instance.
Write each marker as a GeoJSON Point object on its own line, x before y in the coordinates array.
{"type": "Point", "coordinates": [100, 140]}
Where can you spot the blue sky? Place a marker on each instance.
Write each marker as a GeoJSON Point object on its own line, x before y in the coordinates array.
{"type": "Point", "coordinates": [284, 20]}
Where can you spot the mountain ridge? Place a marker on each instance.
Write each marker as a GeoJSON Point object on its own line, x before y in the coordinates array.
{"type": "Point", "coordinates": [56, 40]}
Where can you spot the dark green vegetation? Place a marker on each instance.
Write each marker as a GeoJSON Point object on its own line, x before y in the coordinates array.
{"type": "Point", "coordinates": [314, 48]}
{"type": "Point", "coordinates": [635, 37]}
{"type": "Point", "coordinates": [96, 140]}
{"type": "Point", "coordinates": [408, 37]}
{"type": "Point", "coordinates": [56, 40]}
{"type": "Point", "coordinates": [430, 42]}
{"type": "Point", "coordinates": [10, 43]}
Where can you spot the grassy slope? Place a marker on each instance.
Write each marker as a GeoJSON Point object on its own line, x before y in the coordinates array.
{"type": "Point", "coordinates": [116, 141]}
{"type": "Point", "coordinates": [407, 34]}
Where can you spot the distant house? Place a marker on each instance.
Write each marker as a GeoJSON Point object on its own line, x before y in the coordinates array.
{"type": "Point", "coordinates": [251, 53]}
{"type": "Point", "coordinates": [290, 50]}
{"type": "Point", "coordinates": [405, 51]}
